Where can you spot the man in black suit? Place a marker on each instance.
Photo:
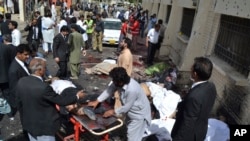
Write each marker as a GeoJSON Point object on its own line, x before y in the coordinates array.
{"type": "Point", "coordinates": [39, 25]}
{"type": "Point", "coordinates": [5, 25]}
{"type": "Point", "coordinates": [6, 57]}
{"type": "Point", "coordinates": [34, 35]}
{"type": "Point", "coordinates": [17, 70]}
{"type": "Point", "coordinates": [40, 118]}
{"type": "Point", "coordinates": [7, 41]}
{"type": "Point", "coordinates": [61, 51]}
{"type": "Point", "coordinates": [193, 111]}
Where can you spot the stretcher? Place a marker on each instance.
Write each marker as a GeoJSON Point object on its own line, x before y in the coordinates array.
{"type": "Point", "coordinates": [99, 127]}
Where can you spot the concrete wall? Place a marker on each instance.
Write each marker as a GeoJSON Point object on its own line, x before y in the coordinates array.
{"type": "Point", "coordinates": [233, 89]}
{"type": "Point", "coordinates": [238, 8]}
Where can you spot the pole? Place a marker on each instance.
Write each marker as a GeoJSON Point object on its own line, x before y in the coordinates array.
{"type": "Point", "coordinates": [21, 10]}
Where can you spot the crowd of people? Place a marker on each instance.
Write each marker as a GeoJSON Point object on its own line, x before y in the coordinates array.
{"type": "Point", "coordinates": [23, 64]}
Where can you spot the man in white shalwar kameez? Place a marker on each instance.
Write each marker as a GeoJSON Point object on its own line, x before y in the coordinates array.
{"type": "Point", "coordinates": [53, 12]}
{"type": "Point", "coordinates": [48, 32]}
{"type": "Point", "coordinates": [10, 6]}
{"type": "Point", "coordinates": [83, 26]}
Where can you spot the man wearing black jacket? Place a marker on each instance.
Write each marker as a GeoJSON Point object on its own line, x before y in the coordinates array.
{"type": "Point", "coordinates": [61, 51]}
{"type": "Point", "coordinates": [34, 35]}
{"type": "Point", "coordinates": [39, 116]}
{"type": "Point", "coordinates": [5, 25]}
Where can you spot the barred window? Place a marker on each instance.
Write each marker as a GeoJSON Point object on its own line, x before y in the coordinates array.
{"type": "Point", "coordinates": [187, 21]}
{"type": "Point", "coordinates": [233, 43]}
{"type": "Point", "coordinates": [169, 8]}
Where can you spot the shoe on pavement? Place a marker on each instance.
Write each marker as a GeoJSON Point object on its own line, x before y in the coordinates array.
{"type": "Point", "coordinates": [73, 77]}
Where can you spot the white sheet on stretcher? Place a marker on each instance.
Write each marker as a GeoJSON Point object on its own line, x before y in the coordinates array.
{"type": "Point", "coordinates": [217, 130]}
{"type": "Point", "coordinates": [165, 101]}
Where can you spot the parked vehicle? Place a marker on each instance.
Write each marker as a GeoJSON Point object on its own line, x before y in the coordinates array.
{"type": "Point", "coordinates": [112, 30]}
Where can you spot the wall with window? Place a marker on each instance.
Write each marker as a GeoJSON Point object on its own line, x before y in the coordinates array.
{"type": "Point", "coordinates": [219, 30]}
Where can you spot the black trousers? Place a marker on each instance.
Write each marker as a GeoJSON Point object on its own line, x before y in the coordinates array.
{"type": "Point", "coordinates": [62, 71]}
{"type": "Point", "coordinates": [34, 44]}
{"type": "Point", "coordinates": [151, 53]}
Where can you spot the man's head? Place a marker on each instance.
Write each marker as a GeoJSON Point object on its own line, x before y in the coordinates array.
{"type": "Point", "coordinates": [48, 14]}
{"type": "Point", "coordinates": [98, 16]}
{"type": "Point", "coordinates": [37, 66]}
{"type": "Point", "coordinates": [88, 17]}
{"type": "Point", "coordinates": [81, 17]}
{"type": "Point", "coordinates": [119, 76]}
{"type": "Point", "coordinates": [126, 43]}
{"type": "Point", "coordinates": [23, 52]}
{"type": "Point", "coordinates": [64, 30]}
{"type": "Point", "coordinates": [7, 16]}
{"type": "Point", "coordinates": [160, 21]}
{"type": "Point", "coordinates": [74, 27]}
{"type": "Point", "coordinates": [7, 38]}
{"type": "Point", "coordinates": [201, 69]}
{"type": "Point", "coordinates": [157, 27]}
{"type": "Point", "coordinates": [13, 25]}
{"type": "Point", "coordinates": [73, 20]}
{"type": "Point", "coordinates": [37, 13]}
{"type": "Point", "coordinates": [34, 22]}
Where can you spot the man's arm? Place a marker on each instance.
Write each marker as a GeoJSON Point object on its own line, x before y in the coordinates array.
{"type": "Point", "coordinates": [51, 96]}
{"type": "Point", "coordinates": [56, 43]}
{"type": "Point", "coordinates": [107, 93]}
{"type": "Point", "coordinates": [147, 38]}
{"type": "Point", "coordinates": [27, 28]}
{"type": "Point", "coordinates": [130, 100]}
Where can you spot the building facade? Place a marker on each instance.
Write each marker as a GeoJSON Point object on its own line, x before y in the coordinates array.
{"type": "Point", "coordinates": [219, 30]}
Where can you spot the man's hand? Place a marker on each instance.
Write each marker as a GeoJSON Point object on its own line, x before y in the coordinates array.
{"type": "Point", "coordinates": [109, 113]}
{"type": "Point", "coordinates": [80, 94]}
{"type": "Point", "coordinates": [57, 59]}
{"type": "Point", "coordinates": [84, 52]}
{"type": "Point", "coordinates": [93, 103]}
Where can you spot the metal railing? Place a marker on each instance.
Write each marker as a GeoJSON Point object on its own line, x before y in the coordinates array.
{"type": "Point", "coordinates": [233, 43]}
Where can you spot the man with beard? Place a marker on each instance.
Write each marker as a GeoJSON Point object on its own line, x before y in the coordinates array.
{"type": "Point", "coordinates": [135, 104]}
{"type": "Point", "coordinates": [125, 59]}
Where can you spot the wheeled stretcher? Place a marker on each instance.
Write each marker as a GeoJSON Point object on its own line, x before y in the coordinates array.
{"type": "Point", "coordinates": [99, 127]}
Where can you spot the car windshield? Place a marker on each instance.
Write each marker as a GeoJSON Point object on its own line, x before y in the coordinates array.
{"type": "Point", "coordinates": [115, 25]}
{"type": "Point", "coordinates": [120, 5]}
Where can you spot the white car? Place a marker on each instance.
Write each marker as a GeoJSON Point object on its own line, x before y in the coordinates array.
{"type": "Point", "coordinates": [112, 30]}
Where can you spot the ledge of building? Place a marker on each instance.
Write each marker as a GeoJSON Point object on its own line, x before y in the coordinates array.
{"type": "Point", "coordinates": [227, 70]}
{"type": "Point", "coordinates": [182, 37]}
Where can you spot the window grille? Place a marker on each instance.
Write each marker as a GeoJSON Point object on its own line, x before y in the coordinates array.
{"type": "Point", "coordinates": [29, 4]}
{"type": "Point", "coordinates": [233, 43]}
{"type": "Point", "coordinates": [187, 21]}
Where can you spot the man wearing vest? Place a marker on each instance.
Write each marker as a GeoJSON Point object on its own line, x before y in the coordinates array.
{"type": "Point", "coordinates": [135, 29]}
{"type": "Point", "coordinates": [89, 22]}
